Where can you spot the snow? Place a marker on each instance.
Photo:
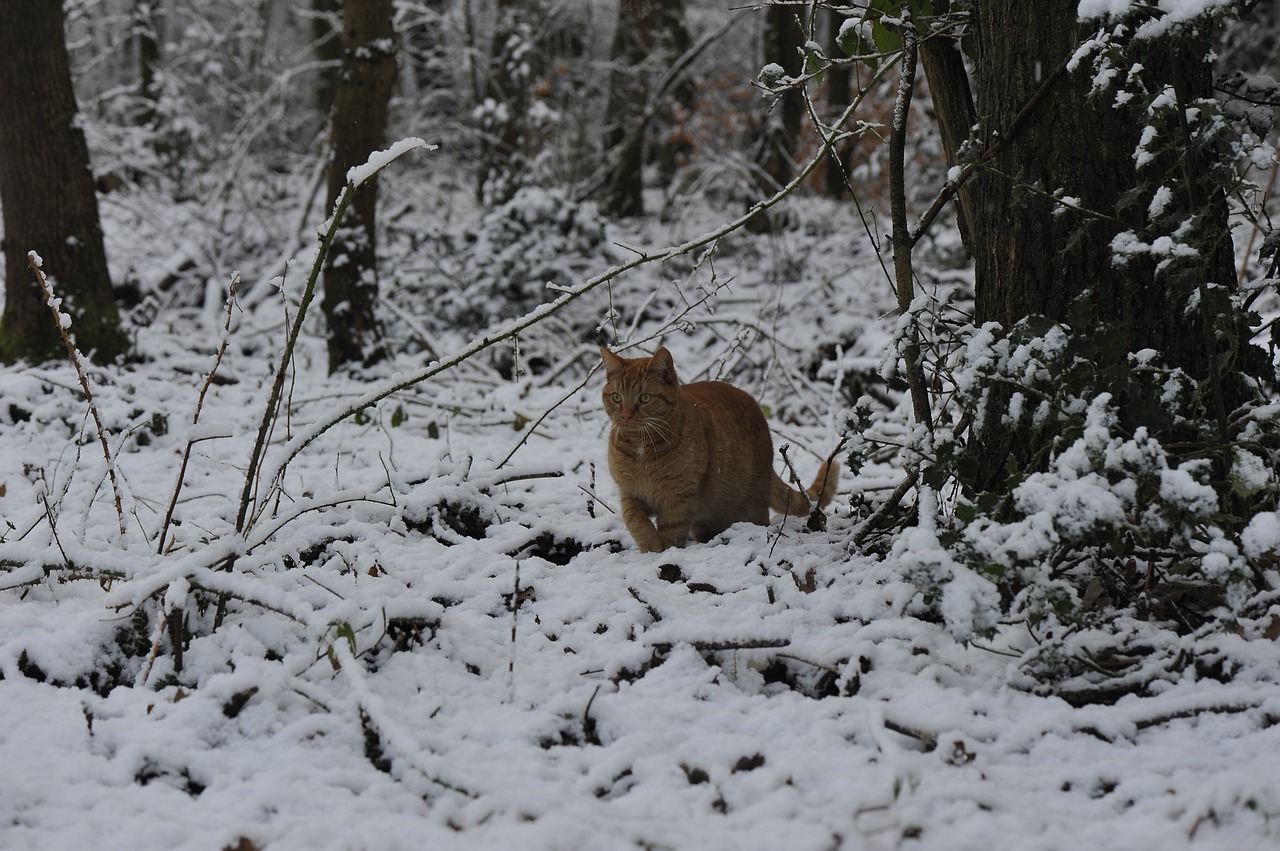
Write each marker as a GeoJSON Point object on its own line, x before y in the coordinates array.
{"type": "Point", "coordinates": [357, 175]}
{"type": "Point", "coordinates": [1157, 18]}
{"type": "Point", "coordinates": [1262, 535]}
{"type": "Point", "coordinates": [422, 645]}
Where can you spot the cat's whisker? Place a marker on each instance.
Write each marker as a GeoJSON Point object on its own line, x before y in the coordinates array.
{"type": "Point", "coordinates": [665, 432]}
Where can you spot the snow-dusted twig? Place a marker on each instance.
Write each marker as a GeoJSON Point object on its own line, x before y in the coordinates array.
{"type": "Point", "coordinates": [53, 525]}
{"type": "Point", "coordinates": [538, 422]}
{"type": "Point", "coordinates": [375, 717]}
{"type": "Point", "coordinates": [356, 177]}
{"type": "Point", "coordinates": [871, 523]}
{"type": "Point", "coordinates": [195, 417]}
{"type": "Point", "coordinates": [63, 322]}
{"type": "Point", "coordinates": [515, 620]}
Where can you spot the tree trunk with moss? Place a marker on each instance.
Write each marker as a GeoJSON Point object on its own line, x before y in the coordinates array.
{"type": "Point", "coordinates": [47, 195]}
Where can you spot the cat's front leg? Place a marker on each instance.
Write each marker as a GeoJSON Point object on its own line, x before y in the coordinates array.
{"type": "Point", "coordinates": [673, 528]}
{"type": "Point", "coordinates": [636, 515]}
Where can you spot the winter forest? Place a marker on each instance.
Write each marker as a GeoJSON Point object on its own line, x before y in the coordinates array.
{"type": "Point", "coordinates": [308, 532]}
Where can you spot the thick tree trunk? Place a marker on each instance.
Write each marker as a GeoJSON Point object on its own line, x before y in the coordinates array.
{"type": "Point", "coordinates": [1084, 148]}
{"type": "Point", "coordinates": [47, 193]}
{"type": "Point", "coordinates": [359, 128]}
{"type": "Point", "coordinates": [1032, 256]}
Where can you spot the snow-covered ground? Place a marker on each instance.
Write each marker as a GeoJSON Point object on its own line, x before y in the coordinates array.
{"type": "Point", "coordinates": [437, 633]}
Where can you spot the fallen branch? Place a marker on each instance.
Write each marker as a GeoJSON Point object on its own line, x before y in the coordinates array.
{"type": "Point", "coordinates": [889, 504]}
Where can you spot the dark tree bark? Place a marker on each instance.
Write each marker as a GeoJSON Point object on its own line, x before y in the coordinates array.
{"type": "Point", "coordinates": [953, 105]}
{"type": "Point", "coordinates": [780, 136]}
{"type": "Point", "coordinates": [47, 194]}
{"type": "Point", "coordinates": [359, 128]}
{"type": "Point", "coordinates": [643, 29]}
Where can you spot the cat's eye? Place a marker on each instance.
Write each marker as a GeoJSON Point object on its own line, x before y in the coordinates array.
{"type": "Point", "coordinates": [616, 398]}
{"type": "Point", "coordinates": [645, 398]}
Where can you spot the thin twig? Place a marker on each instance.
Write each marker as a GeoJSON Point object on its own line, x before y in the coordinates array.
{"type": "Point", "coordinates": [536, 423]}
{"type": "Point", "coordinates": [524, 477]}
{"type": "Point", "coordinates": [355, 179]}
{"type": "Point", "coordinates": [195, 417]}
{"type": "Point", "coordinates": [889, 504]}
{"type": "Point", "coordinates": [64, 324]}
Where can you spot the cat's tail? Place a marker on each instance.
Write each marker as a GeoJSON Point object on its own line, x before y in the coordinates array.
{"type": "Point", "coordinates": [785, 499]}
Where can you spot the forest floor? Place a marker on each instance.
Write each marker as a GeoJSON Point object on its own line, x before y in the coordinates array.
{"type": "Point", "coordinates": [437, 633]}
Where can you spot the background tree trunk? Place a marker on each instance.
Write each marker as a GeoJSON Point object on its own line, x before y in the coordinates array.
{"type": "Point", "coordinates": [643, 30]}
{"type": "Point", "coordinates": [628, 92]}
{"type": "Point", "coordinates": [147, 42]}
{"type": "Point", "coordinates": [504, 112]}
{"type": "Point", "coordinates": [838, 87]}
{"type": "Point", "coordinates": [780, 136]}
{"type": "Point", "coordinates": [326, 39]}
{"type": "Point", "coordinates": [359, 128]}
{"type": "Point", "coordinates": [47, 194]}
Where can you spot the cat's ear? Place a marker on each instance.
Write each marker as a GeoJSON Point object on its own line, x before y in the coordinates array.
{"type": "Point", "coordinates": [612, 363]}
{"type": "Point", "coordinates": [662, 366]}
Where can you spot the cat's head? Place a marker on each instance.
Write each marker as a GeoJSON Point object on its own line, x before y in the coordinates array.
{"type": "Point", "coordinates": [639, 391]}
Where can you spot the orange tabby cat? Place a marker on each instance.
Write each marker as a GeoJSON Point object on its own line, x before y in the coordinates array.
{"type": "Point", "coordinates": [695, 457]}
